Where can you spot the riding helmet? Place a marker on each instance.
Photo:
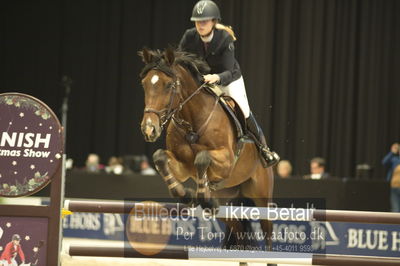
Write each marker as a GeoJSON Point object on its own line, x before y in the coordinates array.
{"type": "Point", "coordinates": [205, 10]}
{"type": "Point", "coordinates": [16, 237]}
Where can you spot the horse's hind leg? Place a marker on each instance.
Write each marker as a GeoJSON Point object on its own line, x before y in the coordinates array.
{"type": "Point", "coordinates": [266, 225]}
{"type": "Point", "coordinates": [260, 189]}
{"type": "Point", "coordinates": [161, 158]}
{"type": "Point", "coordinates": [201, 163]}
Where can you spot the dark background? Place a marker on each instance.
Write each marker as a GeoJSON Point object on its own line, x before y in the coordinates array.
{"type": "Point", "coordinates": [321, 76]}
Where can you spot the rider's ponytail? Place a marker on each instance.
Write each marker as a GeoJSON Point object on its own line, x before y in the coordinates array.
{"type": "Point", "coordinates": [226, 28]}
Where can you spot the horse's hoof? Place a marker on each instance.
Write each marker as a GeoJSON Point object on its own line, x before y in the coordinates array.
{"type": "Point", "coordinates": [211, 206]}
{"type": "Point", "coordinates": [190, 198]}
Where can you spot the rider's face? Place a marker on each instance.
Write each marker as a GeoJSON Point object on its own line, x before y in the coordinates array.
{"type": "Point", "coordinates": [204, 27]}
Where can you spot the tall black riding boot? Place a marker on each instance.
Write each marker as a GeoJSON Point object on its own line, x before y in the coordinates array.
{"type": "Point", "coordinates": [271, 158]}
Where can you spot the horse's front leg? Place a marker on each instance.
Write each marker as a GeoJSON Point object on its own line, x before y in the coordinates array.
{"type": "Point", "coordinates": [163, 159]}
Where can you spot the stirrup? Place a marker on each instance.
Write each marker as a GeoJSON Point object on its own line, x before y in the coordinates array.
{"type": "Point", "coordinates": [270, 157]}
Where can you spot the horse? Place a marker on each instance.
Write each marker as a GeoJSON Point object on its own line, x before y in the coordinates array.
{"type": "Point", "coordinates": [200, 138]}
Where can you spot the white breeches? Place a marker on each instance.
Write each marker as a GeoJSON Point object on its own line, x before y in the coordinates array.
{"type": "Point", "coordinates": [237, 91]}
{"type": "Point", "coordinates": [5, 263]}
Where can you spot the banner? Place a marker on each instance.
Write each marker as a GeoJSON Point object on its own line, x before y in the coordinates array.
{"type": "Point", "coordinates": [287, 236]}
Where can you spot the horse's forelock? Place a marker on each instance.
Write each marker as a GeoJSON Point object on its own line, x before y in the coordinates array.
{"type": "Point", "coordinates": [157, 63]}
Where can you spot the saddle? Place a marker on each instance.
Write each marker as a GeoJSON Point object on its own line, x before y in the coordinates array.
{"type": "Point", "coordinates": [235, 114]}
{"type": "Point", "coordinates": [232, 109]}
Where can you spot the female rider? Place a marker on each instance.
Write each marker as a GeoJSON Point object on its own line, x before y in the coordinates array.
{"type": "Point", "coordinates": [214, 43]}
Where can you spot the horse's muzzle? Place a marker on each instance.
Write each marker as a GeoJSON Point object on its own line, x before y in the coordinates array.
{"type": "Point", "coordinates": [150, 132]}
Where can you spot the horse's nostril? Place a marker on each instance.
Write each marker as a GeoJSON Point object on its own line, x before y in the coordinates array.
{"type": "Point", "coordinates": [149, 131]}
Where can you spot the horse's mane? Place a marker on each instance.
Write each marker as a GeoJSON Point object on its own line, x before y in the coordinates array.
{"type": "Point", "coordinates": [195, 65]}
{"type": "Point", "coordinates": [191, 62]}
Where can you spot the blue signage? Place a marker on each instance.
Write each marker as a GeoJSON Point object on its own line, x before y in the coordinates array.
{"type": "Point", "coordinates": [287, 236]}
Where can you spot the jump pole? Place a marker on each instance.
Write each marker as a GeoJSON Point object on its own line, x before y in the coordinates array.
{"type": "Point", "coordinates": [242, 212]}
{"type": "Point", "coordinates": [176, 252]}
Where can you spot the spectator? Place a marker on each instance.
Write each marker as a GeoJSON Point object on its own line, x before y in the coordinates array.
{"type": "Point", "coordinates": [93, 164]}
{"type": "Point", "coordinates": [284, 169]}
{"type": "Point", "coordinates": [395, 190]}
{"type": "Point", "coordinates": [145, 168]}
{"type": "Point", "coordinates": [114, 166]}
{"type": "Point", "coordinates": [317, 169]}
{"type": "Point", "coordinates": [392, 161]}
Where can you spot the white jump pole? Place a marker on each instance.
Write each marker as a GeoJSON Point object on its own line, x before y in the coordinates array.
{"type": "Point", "coordinates": [235, 212]}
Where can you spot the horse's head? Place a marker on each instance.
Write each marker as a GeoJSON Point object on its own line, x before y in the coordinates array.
{"type": "Point", "coordinates": [160, 90]}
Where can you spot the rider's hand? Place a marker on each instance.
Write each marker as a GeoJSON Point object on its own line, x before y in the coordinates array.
{"type": "Point", "coordinates": [211, 78]}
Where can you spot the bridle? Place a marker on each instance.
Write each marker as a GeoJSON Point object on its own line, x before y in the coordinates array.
{"type": "Point", "coordinates": [166, 114]}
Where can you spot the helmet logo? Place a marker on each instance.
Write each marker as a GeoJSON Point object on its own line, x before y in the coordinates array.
{"type": "Point", "coordinates": [200, 7]}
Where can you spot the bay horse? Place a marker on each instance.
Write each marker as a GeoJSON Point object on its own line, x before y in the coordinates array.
{"type": "Point", "coordinates": [200, 137]}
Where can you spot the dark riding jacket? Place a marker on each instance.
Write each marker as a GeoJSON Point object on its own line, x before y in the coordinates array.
{"type": "Point", "coordinates": [219, 54]}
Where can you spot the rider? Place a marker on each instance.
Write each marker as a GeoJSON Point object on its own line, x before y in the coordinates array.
{"type": "Point", "coordinates": [214, 42]}
{"type": "Point", "coordinates": [11, 250]}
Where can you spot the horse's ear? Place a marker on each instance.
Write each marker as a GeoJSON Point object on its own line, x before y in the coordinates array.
{"type": "Point", "coordinates": [169, 56]}
{"type": "Point", "coordinates": [146, 55]}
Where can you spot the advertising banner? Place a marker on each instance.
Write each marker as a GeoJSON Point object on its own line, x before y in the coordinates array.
{"type": "Point", "coordinates": [287, 236]}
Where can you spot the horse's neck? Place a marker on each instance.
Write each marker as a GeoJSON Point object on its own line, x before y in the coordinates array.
{"type": "Point", "coordinates": [195, 111]}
